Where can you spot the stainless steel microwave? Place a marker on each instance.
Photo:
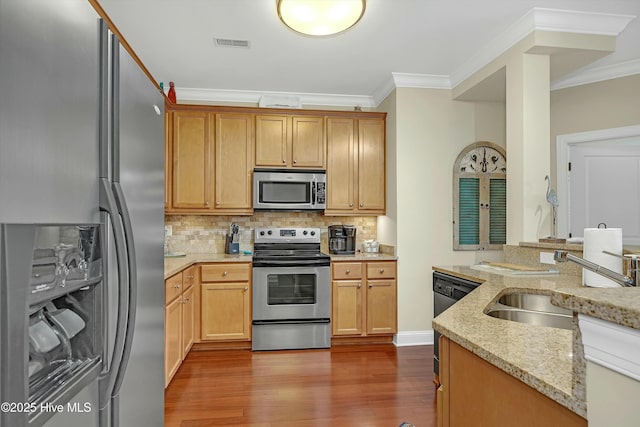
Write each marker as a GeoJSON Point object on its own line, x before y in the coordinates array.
{"type": "Point", "coordinates": [289, 190]}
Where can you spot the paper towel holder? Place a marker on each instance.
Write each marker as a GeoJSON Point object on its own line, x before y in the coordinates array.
{"type": "Point", "coordinates": [602, 223]}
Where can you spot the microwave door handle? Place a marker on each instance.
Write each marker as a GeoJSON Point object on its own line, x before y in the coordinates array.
{"type": "Point", "coordinates": [313, 193]}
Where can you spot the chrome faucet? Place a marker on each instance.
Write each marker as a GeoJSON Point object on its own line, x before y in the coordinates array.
{"type": "Point", "coordinates": [631, 280]}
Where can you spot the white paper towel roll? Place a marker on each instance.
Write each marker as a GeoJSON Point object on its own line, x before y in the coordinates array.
{"type": "Point", "coordinates": [597, 240]}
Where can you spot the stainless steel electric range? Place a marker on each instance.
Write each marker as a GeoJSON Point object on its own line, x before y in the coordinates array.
{"type": "Point", "coordinates": [291, 290]}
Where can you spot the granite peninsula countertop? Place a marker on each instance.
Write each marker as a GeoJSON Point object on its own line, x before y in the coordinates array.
{"type": "Point", "coordinates": [177, 264]}
{"type": "Point", "coordinates": [541, 357]}
{"type": "Point", "coordinates": [616, 305]}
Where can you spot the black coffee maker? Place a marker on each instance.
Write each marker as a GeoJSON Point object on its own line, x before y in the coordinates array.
{"type": "Point", "coordinates": [342, 239]}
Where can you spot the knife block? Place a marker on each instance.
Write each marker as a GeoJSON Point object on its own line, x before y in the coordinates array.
{"type": "Point", "coordinates": [231, 247]}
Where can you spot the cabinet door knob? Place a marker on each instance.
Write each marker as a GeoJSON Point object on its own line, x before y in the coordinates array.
{"type": "Point", "coordinates": [217, 202]}
{"type": "Point", "coordinates": [295, 161]}
{"type": "Point", "coordinates": [370, 285]}
{"type": "Point", "coordinates": [176, 286]}
{"type": "Point", "coordinates": [246, 288]}
{"type": "Point", "coordinates": [381, 270]}
{"type": "Point", "coordinates": [359, 285]}
{"type": "Point", "coordinates": [347, 271]}
{"type": "Point", "coordinates": [350, 205]}
{"type": "Point", "coordinates": [225, 273]}
{"type": "Point", "coordinates": [206, 203]}
{"type": "Point", "coordinates": [361, 205]}
{"type": "Point", "coordinates": [284, 161]}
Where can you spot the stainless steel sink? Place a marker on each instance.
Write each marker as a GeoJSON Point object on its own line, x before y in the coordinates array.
{"type": "Point", "coordinates": [533, 302]}
{"type": "Point", "coordinates": [533, 309]}
{"type": "Point", "coordinates": [534, 318]}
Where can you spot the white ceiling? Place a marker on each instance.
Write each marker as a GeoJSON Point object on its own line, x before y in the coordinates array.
{"type": "Point", "coordinates": [175, 40]}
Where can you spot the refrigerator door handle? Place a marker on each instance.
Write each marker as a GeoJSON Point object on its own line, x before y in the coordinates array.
{"type": "Point", "coordinates": [133, 285]}
{"type": "Point", "coordinates": [109, 205]}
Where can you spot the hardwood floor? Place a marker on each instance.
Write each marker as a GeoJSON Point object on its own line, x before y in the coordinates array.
{"type": "Point", "coordinates": [369, 385]}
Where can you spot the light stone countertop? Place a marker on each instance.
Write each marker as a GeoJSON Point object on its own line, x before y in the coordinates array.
{"type": "Point", "coordinates": [364, 256]}
{"type": "Point", "coordinates": [541, 357]}
{"type": "Point", "coordinates": [617, 305]}
{"type": "Point", "coordinates": [176, 265]}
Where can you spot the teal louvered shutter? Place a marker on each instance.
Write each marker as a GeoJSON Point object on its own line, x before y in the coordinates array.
{"type": "Point", "coordinates": [498, 211]}
{"type": "Point", "coordinates": [469, 214]}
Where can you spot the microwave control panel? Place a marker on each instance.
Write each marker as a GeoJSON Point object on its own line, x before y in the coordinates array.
{"type": "Point", "coordinates": [321, 193]}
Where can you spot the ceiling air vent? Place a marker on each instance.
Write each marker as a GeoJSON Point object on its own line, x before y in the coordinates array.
{"type": "Point", "coordinates": [231, 43]}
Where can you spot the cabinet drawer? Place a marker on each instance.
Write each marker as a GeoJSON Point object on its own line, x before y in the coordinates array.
{"type": "Point", "coordinates": [381, 270]}
{"type": "Point", "coordinates": [347, 270]}
{"type": "Point", "coordinates": [188, 277]}
{"type": "Point", "coordinates": [235, 272]}
{"type": "Point", "coordinates": [172, 287]}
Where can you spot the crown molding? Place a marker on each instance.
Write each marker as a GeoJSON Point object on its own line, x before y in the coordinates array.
{"type": "Point", "coordinates": [195, 95]}
{"type": "Point", "coordinates": [412, 80]}
{"type": "Point", "coordinates": [595, 75]}
{"type": "Point", "coordinates": [545, 20]}
{"type": "Point", "coordinates": [572, 21]}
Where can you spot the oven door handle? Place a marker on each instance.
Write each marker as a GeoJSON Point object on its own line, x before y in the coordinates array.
{"type": "Point", "coordinates": [291, 263]}
{"type": "Point", "coordinates": [290, 321]}
{"type": "Point", "coordinates": [313, 194]}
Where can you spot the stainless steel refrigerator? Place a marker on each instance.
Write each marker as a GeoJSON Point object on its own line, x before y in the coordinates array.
{"type": "Point", "coordinates": [81, 223]}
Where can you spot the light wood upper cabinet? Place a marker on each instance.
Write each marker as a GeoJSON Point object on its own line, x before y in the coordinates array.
{"type": "Point", "coordinates": [192, 155]}
{"type": "Point", "coordinates": [355, 166]}
{"type": "Point", "coordinates": [168, 129]}
{"type": "Point", "coordinates": [308, 142]}
{"type": "Point", "coordinates": [284, 141]}
{"type": "Point", "coordinates": [342, 164]}
{"type": "Point", "coordinates": [212, 163]}
{"type": "Point", "coordinates": [371, 165]}
{"type": "Point", "coordinates": [233, 162]}
{"type": "Point", "coordinates": [272, 135]}
{"type": "Point", "coordinates": [211, 151]}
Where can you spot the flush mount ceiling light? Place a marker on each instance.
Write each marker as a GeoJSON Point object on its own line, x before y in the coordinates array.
{"type": "Point", "coordinates": [320, 17]}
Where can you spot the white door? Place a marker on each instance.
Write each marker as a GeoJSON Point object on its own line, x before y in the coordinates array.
{"type": "Point", "coordinates": [604, 187]}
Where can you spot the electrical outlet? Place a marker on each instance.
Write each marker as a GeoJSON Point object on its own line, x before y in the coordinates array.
{"type": "Point", "coordinates": [168, 230]}
{"type": "Point", "coordinates": [547, 258]}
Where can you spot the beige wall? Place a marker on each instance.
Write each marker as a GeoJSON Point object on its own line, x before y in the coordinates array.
{"type": "Point", "coordinates": [427, 131]}
{"type": "Point", "coordinates": [603, 105]}
{"type": "Point", "coordinates": [387, 225]}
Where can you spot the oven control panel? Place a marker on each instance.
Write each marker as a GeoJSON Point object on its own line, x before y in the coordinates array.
{"type": "Point", "coordinates": [288, 234]}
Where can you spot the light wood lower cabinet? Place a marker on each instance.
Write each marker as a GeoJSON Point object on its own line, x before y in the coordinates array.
{"type": "Point", "coordinates": [364, 298]}
{"type": "Point", "coordinates": [472, 389]}
{"type": "Point", "coordinates": [226, 302]}
{"type": "Point", "coordinates": [179, 319]}
{"type": "Point", "coordinates": [172, 339]}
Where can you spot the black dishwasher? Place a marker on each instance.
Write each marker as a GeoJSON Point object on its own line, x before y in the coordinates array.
{"type": "Point", "coordinates": [447, 290]}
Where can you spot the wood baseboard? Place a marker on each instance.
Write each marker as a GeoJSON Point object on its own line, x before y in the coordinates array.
{"type": "Point", "coordinates": [377, 339]}
{"type": "Point", "coordinates": [221, 345]}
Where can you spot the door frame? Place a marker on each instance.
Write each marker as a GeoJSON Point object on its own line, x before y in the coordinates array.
{"type": "Point", "coordinates": [563, 145]}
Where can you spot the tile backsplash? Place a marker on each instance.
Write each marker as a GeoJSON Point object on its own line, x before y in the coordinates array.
{"type": "Point", "coordinates": [206, 234]}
